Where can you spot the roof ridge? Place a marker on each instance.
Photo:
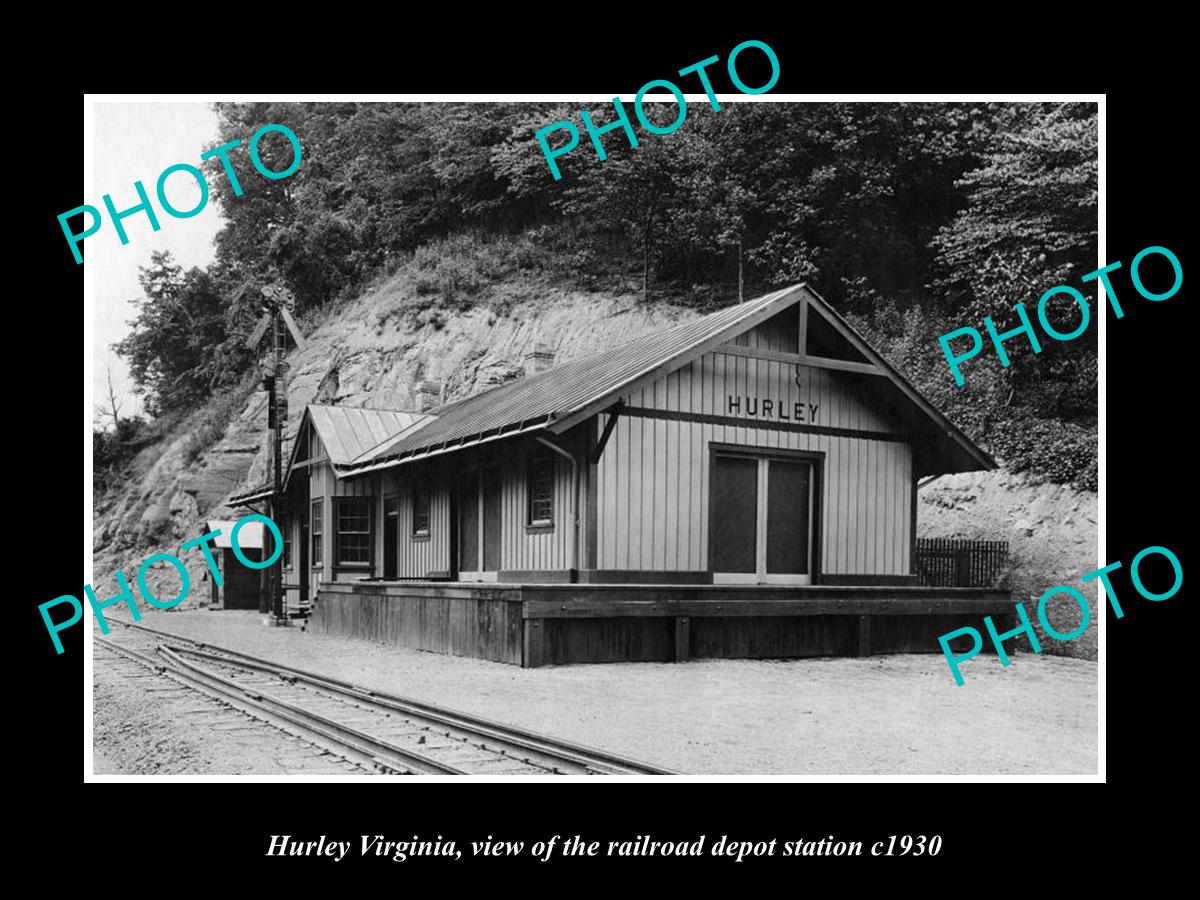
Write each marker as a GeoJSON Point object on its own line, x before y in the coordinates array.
{"type": "Point", "coordinates": [539, 410]}
{"type": "Point", "coordinates": [406, 412]}
{"type": "Point", "coordinates": [615, 347]}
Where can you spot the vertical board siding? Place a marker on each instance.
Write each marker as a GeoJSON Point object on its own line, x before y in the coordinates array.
{"type": "Point", "coordinates": [320, 480]}
{"type": "Point", "coordinates": [779, 332]}
{"type": "Point", "coordinates": [521, 549]}
{"type": "Point", "coordinates": [416, 557]}
{"type": "Point", "coordinates": [652, 486]}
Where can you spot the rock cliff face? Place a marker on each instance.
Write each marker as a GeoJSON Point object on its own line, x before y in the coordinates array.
{"type": "Point", "coordinates": [372, 352]}
{"type": "Point", "coordinates": [375, 351]}
{"type": "Point", "coordinates": [1051, 533]}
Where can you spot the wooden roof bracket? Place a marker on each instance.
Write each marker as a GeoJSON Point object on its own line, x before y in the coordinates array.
{"type": "Point", "coordinates": [614, 412]}
{"type": "Point", "coordinates": [841, 365]}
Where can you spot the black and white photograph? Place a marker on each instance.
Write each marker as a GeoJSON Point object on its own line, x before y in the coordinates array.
{"type": "Point", "coordinates": [532, 438]}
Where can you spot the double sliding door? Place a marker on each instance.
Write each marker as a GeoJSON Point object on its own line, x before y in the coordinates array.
{"type": "Point", "coordinates": [479, 524]}
{"type": "Point", "coordinates": [760, 513]}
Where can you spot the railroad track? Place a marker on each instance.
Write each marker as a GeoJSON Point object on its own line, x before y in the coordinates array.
{"type": "Point", "coordinates": [389, 733]}
{"type": "Point", "coordinates": [200, 707]}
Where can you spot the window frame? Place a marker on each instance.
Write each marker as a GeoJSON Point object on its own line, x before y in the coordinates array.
{"type": "Point", "coordinates": [285, 528]}
{"type": "Point", "coordinates": [415, 533]}
{"type": "Point", "coordinates": [535, 523]}
{"type": "Point", "coordinates": [316, 532]}
{"type": "Point", "coordinates": [338, 562]}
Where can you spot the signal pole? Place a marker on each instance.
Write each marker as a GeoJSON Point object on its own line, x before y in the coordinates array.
{"type": "Point", "coordinates": [278, 302]}
{"type": "Point", "coordinates": [278, 399]}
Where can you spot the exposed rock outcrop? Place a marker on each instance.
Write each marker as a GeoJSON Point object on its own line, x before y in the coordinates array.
{"type": "Point", "coordinates": [1052, 536]}
{"type": "Point", "coordinates": [374, 352]}
{"type": "Point", "coordinates": [369, 353]}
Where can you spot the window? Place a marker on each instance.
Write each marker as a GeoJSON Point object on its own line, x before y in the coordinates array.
{"type": "Point", "coordinates": [286, 527]}
{"type": "Point", "coordinates": [317, 530]}
{"type": "Point", "coordinates": [420, 500]}
{"type": "Point", "coordinates": [541, 489]}
{"type": "Point", "coordinates": [352, 533]}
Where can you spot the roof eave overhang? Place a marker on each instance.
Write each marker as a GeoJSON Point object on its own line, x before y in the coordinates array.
{"type": "Point", "coordinates": [256, 497]}
{"type": "Point", "coordinates": [945, 428]}
{"type": "Point", "coordinates": [958, 452]}
{"type": "Point", "coordinates": [445, 447]}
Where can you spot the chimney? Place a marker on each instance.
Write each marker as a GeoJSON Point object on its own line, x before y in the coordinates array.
{"type": "Point", "coordinates": [429, 395]}
{"type": "Point", "coordinates": [539, 359]}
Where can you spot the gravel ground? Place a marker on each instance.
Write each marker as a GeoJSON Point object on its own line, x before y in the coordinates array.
{"type": "Point", "coordinates": [882, 715]}
{"type": "Point", "coordinates": [146, 724]}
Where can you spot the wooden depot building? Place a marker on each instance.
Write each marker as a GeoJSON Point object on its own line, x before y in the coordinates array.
{"type": "Point", "coordinates": [742, 485]}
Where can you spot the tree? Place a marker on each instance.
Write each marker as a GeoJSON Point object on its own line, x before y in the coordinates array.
{"type": "Point", "coordinates": [914, 217]}
{"type": "Point", "coordinates": [177, 336]}
{"type": "Point", "coordinates": [1029, 224]}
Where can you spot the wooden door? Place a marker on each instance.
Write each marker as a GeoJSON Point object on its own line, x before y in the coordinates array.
{"type": "Point", "coordinates": [733, 517]}
{"type": "Point", "coordinates": [468, 528]}
{"type": "Point", "coordinates": [760, 519]}
{"type": "Point", "coordinates": [305, 512]}
{"type": "Point", "coordinates": [789, 527]}
{"type": "Point", "coordinates": [491, 519]}
{"type": "Point", "coordinates": [391, 536]}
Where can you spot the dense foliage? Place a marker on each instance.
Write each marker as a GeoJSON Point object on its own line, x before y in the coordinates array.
{"type": "Point", "coordinates": [913, 219]}
{"type": "Point", "coordinates": [115, 447]}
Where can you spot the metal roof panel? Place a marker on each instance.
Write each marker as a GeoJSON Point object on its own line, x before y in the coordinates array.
{"type": "Point", "coordinates": [566, 394]}
{"type": "Point", "coordinates": [349, 431]}
{"type": "Point", "coordinates": [250, 535]}
{"type": "Point", "coordinates": [566, 388]}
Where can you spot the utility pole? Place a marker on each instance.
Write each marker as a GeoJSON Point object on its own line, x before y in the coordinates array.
{"type": "Point", "coordinates": [277, 306]}
{"type": "Point", "coordinates": [741, 299]}
{"type": "Point", "coordinates": [278, 400]}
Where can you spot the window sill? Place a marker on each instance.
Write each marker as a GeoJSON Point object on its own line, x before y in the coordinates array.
{"type": "Point", "coordinates": [419, 537]}
{"type": "Point", "coordinates": [539, 528]}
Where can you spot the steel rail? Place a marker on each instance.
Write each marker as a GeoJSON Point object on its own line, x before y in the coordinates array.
{"type": "Point", "coordinates": [375, 751]}
{"type": "Point", "coordinates": [551, 748]}
{"type": "Point", "coordinates": [533, 751]}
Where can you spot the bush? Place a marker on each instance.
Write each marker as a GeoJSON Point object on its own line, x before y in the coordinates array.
{"type": "Point", "coordinates": [458, 270]}
{"type": "Point", "coordinates": [1061, 452]}
{"type": "Point", "coordinates": [112, 451]}
{"type": "Point", "coordinates": [1032, 427]}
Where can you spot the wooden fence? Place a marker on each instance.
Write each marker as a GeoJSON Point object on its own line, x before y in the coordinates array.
{"type": "Point", "coordinates": [949, 562]}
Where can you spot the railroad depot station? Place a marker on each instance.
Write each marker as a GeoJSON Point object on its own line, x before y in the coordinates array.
{"type": "Point", "coordinates": [740, 485]}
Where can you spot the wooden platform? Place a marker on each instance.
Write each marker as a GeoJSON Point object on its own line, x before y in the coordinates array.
{"type": "Point", "coordinates": [548, 624]}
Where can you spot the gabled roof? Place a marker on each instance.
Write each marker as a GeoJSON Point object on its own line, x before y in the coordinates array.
{"type": "Point", "coordinates": [254, 494]}
{"type": "Point", "coordinates": [562, 397]}
{"type": "Point", "coordinates": [963, 454]}
{"type": "Point", "coordinates": [346, 432]}
{"type": "Point", "coordinates": [539, 401]}
{"type": "Point", "coordinates": [250, 535]}
{"type": "Point", "coordinates": [349, 432]}
{"type": "Point", "coordinates": [363, 440]}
